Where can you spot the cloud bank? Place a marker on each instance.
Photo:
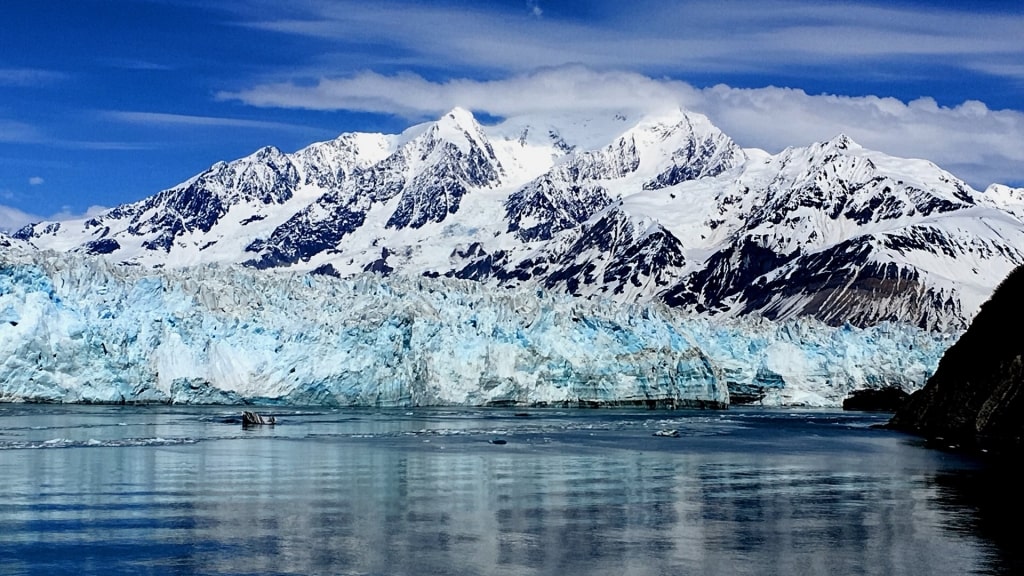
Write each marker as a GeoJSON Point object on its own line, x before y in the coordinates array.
{"type": "Point", "coordinates": [972, 141]}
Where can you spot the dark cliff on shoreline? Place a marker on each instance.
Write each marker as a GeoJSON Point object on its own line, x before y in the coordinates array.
{"type": "Point", "coordinates": [975, 396]}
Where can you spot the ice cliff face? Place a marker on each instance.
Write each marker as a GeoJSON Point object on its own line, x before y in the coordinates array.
{"type": "Point", "coordinates": [663, 207]}
{"type": "Point", "coordinates": [79, 329]}
{"type": "Point", "coordinates": [75, 328]}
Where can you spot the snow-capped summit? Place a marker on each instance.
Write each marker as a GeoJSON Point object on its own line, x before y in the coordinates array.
{"type": "Point", "coordinates": [658, 207]}
{"type": "Point", "coordinates": [847, 234]}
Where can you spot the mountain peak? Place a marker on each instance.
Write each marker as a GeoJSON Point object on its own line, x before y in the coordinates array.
{"type": "Point", "coordinates": [460, 116]}
{"type": "Point", "coordinates": [843, 142]}
{"type": "Point", "coordinates": [458, 127]}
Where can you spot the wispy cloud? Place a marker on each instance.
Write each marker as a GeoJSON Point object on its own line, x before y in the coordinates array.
{"type": "Point", "coordinates": [135, 64]}
{"type": "Point", "coordinates": [977, 143]}
{"type": "Point", "coordinates": [656, 37]}
{"type": "Point", "coordinates": [165, 119]}
{"type": "Point", "coordinates": [36, 181]}
{"type": "Point", "coordinates": [13, 219]}
{"type": "Point", "coordinates": [14, 131]}
{"type": "Point", "coordinates": [1007, 69]}
{"type": "Point", "coordinates": [30, 77]}
{"type": "Point", "coordinates": [104, 145]}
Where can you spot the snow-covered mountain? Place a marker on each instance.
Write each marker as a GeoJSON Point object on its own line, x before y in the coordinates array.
{"type": "Point", "coordinates": [664, 207]}
{"type": "Point", "coordinates": [75, 328]}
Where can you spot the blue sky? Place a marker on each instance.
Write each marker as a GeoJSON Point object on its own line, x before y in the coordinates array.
{"type": "Point", "coordinates": [105, 102]}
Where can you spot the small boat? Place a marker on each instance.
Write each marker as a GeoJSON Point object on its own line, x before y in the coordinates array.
{"type": "Point", "coordinates": [254, 419]}
{"type": "Point", "coordinates": [667, 433]}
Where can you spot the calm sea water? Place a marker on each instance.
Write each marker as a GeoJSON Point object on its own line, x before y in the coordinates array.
{"type": "Point", "coordinates": [185, 490]}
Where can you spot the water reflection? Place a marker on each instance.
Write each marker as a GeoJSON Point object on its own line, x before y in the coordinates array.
{"type": "Point", "coordinates": [748, 495]}
{"type": "Point", "coordinates": [986, 503]}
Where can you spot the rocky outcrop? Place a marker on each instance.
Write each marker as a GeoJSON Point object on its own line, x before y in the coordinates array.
{"type": "Point", "coordinates": [888, 399]}
{"type": "Point", "coordinates": [975, 396]}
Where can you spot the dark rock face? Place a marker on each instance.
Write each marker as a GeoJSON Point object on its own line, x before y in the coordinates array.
{"type": "Point", "coordinates": [545, 207]}
{"type": "Point", "coordinates": [975, 396]}
{"type": "Point", "coordinates": [726, 273]}
{"type": "Point", "coordinates": [380, 265]}
{"type": "Point", "coordinates": [102, 246]}
{"type": "Point", "coordinates": [842, 284]}
{"type": "Point", "coordinates": [621, 256]}
{"type": "Point", "coordinates": [267, 177]}
{"type": "Point", "coordinates": [306, 234]}
{"type": "Point", "coordinates": [326, 270]}
{"type": "Point", "coordinates": [883, 400]}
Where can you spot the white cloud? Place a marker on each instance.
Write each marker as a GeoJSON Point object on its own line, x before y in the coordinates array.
{"type": "Point", "coordinates": [12, 219]}
{"type": "Point", "coordinates": [67, 213]}
{"type": "Point", "coordinates": [976, 143]}
{"type": "Point", "coordinates": [103, 145]}
{"type": "Point", "coordinates": [505, 61]}
{"type": "Point", "coordinates": [35, 181]}
{"type": "Point", "coordinates": [410, 95]}
{"type": "Point", "coordinates": [136, 64]}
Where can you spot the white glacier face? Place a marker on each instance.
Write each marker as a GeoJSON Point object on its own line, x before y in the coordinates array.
{"type": "Point", "coordinates": [80, 329]}
{"type": "Point", "coordinates": [804, 362]}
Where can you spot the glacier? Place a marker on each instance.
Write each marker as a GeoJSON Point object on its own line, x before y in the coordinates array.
{"type": "Point", "coordinates": [75, 328]}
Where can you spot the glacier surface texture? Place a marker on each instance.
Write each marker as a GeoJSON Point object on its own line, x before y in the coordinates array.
{"type": "Point", "coordinates": [75, 328]}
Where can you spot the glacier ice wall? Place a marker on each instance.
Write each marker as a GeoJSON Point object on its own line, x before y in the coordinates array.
{"type": "Point", "coordinates": [804, 362]}
{"type": "Point", "coordinates": [77, 329]}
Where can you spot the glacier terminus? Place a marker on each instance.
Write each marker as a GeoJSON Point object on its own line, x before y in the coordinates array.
{"type": "Point", "coordinates": [74, 328]}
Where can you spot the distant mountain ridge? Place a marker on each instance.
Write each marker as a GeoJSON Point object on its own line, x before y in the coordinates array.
{"type": "Point", "coordinates": [662, 207]}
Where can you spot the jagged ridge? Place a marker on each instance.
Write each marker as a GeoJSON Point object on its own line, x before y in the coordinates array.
{"type": "Point", "coordinates": [669, 209]}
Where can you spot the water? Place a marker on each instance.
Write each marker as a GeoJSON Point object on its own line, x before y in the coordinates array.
{"type": "Point", "coordinates": [185, 490]}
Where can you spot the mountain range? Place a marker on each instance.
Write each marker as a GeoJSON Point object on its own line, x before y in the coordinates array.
{"type": "Point", "coordinates": [663, 207]}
